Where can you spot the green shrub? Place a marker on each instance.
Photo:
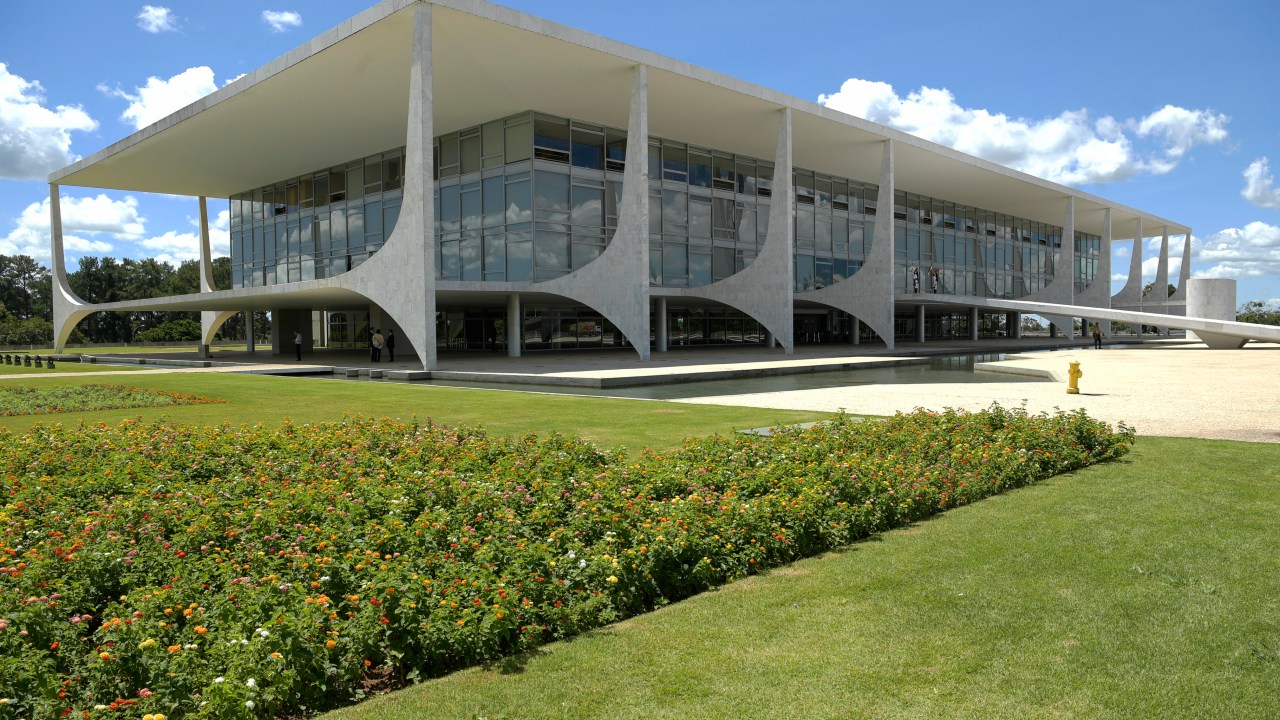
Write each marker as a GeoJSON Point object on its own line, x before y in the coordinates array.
{"type": "Point", "coordinates": [246, 571]}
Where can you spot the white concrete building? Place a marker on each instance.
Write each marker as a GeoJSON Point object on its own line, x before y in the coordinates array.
{"type": "Point", "coordinates": [478, 178]}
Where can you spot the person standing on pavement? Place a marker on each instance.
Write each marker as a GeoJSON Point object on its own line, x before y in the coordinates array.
{"type": "Point", "coordinates": [376, 345]}
{"type": "Point", "coordinates": [391, 345]}
{"type": "Point", "coordinates": [1097, 336]}
{"type": "Point", "coordinates": [297, 344]}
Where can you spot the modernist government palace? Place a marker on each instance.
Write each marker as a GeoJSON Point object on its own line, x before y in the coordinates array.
{"type": "Point", "coordinates": [494, 181]}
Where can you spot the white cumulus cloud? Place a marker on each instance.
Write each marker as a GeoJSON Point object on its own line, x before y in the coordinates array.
{"type": "Point", "coordinates": [157, 19]}
{"type": "Point", "coordinates": [175, 247]}
{"type": "Point", "coordinates": [281, 20]}
{"type": "Point", "coordinates": [1259, 184]}
{"type": "Point", "coordinates": [159, 97]}
{"type": "Point", "coordinates": [1072, 148]}
{"type": "Point", "coordinates": [1250, 251]}
{"type": "Point", "coordinates": [35, 140]}
{"type": "Point", "coordinates": [89, 225]}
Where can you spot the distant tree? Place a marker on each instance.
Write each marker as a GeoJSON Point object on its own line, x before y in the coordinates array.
{"type": "Point", "coordinates": [1032, 324]}
{"type": "Point", "coordinates": [25, 287]}
{"type": "Point", "coordinates": [1257, 311]}
{"type": "Point", "coordinates": [178, 330]}
{"type": "Point", "coordinates": [1151, 286]}
{"type": "Point", "coordinates": [16, 330]}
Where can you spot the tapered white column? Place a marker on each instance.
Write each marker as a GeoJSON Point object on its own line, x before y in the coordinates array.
{"type": "Point", "coordinates": [616, 284]}
{"type": "Point", "coordinates": [210, 320]}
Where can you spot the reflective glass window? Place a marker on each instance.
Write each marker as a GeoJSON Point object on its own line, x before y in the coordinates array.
{"type": "Point", "coordinates": [551, 196]}
{"type": "Point", "coordinates": [495, 257]}
{"type": "Point", "coordinates": [699, 216]}
{"type": "Point", "coordinates": [392, 173]}
{"type": "Point", "coordinates": [337, 185]}
{"type": "Point", "coordinates": [615, 149]}
{"type": "Point", "coordinates": [373, 175]}
{"type": "Point", "coordinates": [588, 148]}
{"type": "Point", "coordinates": [699, 267]}
{"type": "Point", "coordinates": [390, 214]}
{"type": "Point", "coordinates": [804, 227]}
{"type": "Point", "coordinates": [519, 200]}
{"type": "Point", "coordinates": [584, 253]}
{"type": "Point", "coordinates": [450, 261]}
{"type": "Point", "coordinates": [675, 212]}
{"type": "Point", "coordinates": [588, 208]}
{"type": "Point", "coordinates": [675, 162]}
{"type": "Point", "coordinates": [355, 181]}
{"type": "Point", "coordinates": [699, 168]}
{"type": "Point", "coordinates": [373, 218]}
{"type": "Point", "coordinates": [494, 201]}
{"type": "Point", "coordinates": [470, 206]}
{"type": "Point", "coordinates": [450, 211]}
{"type": "Point", "coordinates": [551, 250]}
{"type": "Point", "coordinates": [675, 264]}
{"type": "Point", "coordinates": [551, 139]}
{"type": "Point", "coordinates": [519, 257]}
{"type": "Point", "coordinates": [338, 230]}
{"type": "Point", "coordinates": [469, 254]}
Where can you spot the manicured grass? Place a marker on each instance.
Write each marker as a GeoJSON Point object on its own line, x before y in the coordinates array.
{"type": "Point", "coordinates": [1139, 589]}
{"type": "Point", "coordinates": [68, 367]}
{"type": "Point", "coordinates": [633, 424]}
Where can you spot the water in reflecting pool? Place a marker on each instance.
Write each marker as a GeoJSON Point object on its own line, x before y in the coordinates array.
{"type": "Point", "coordinates": [947, 369]}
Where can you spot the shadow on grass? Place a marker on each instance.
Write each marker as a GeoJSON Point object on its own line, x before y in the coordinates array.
{"type": "Point", "coordinates": [517, 664]}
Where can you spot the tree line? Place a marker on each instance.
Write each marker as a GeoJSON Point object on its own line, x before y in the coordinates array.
{"type": "Point", "coordinates": [26, 301]}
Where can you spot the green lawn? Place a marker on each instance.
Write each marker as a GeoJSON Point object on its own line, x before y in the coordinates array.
{"type": "Point", "coordinates": [634, 424]}
{"type": "Point", "coordinates": [68, 367]}
{"type": "Point", "coordinates": [1148, 588]}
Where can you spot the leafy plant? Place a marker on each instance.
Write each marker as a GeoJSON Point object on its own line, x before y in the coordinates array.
{"type": "Point", "coordinates": [247, 571]}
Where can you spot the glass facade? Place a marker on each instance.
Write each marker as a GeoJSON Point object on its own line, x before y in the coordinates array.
{"type": "Point", "coordinates": [940, 246]}
{"type": "Point", "coordinates": [531, 197]}
{"type": "Point", "coordinates": [317, 225]}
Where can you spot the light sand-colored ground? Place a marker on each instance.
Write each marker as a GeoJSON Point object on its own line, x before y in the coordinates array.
{"type": "Point", "coordinates": [1184, 391]}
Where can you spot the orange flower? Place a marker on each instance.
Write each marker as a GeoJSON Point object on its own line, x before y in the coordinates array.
{"type": "Point", "coordinates": [175, 648]}
{"type": "Point", "coordinates": [201, 630]}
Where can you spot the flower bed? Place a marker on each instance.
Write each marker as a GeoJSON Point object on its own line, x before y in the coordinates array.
{"type": "Point", "coordinates": [28, 400]}
{"type": "Point", "coordinates": [247, 572]}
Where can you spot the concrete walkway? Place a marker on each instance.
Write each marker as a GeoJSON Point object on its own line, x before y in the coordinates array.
{"type": "Point", "coordinates": [1159, 389]}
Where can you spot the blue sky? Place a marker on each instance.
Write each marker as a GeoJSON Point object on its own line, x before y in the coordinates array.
{"type": "Point", "coordinates": [1166, 106]}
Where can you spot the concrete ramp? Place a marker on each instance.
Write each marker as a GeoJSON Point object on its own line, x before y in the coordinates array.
{"type": "Point", "coordinates": [1214, 333]}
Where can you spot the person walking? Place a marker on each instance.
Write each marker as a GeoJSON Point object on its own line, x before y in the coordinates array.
{"type": "Point", "coordinates": [377, 343]}
{"type": "Point", "coordinates": [297, 344]}
{"type": "Point", "coordinates": [391, 345]}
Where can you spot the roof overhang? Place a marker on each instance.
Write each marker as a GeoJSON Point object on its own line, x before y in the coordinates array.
{"type": "Point", "coordinates": [344, 95]}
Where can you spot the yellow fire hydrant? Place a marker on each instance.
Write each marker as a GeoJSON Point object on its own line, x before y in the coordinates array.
{"type": "Point", "coordinates": [1074, 375]}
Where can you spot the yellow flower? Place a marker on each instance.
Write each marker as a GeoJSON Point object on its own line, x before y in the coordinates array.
{"type": "Point", "coordinates": [613, 579]}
